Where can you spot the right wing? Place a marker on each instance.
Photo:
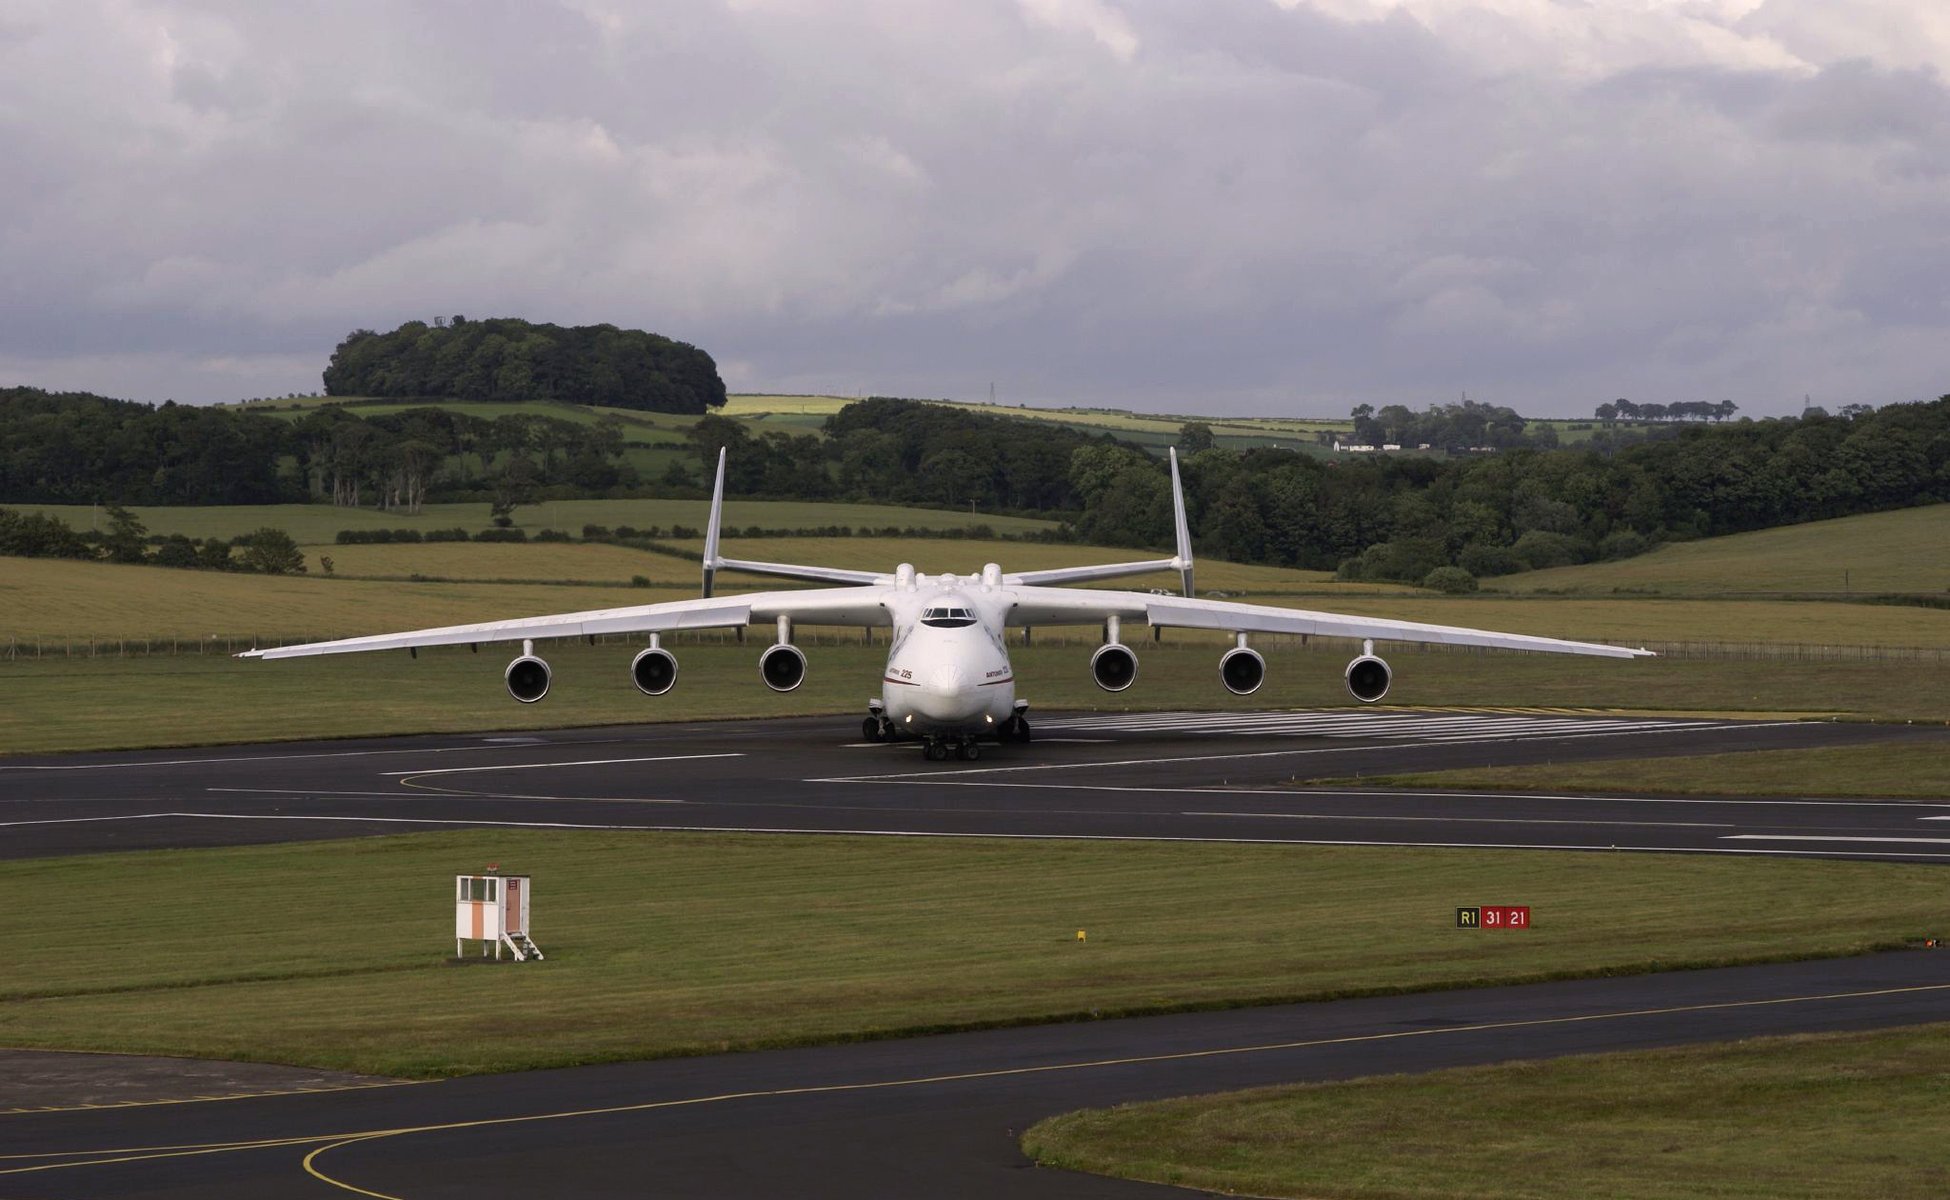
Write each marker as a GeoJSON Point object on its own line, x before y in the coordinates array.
{"type": "Point", "coordinates": [819, 606]}
{"type": "Point", "coordinates": [1181, 562]}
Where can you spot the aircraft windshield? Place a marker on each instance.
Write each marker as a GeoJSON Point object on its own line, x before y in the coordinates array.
{"type": "Point", "coordinates": [944, 616]}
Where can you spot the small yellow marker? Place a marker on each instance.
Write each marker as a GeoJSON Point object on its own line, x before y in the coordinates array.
{"type": "Point", "coordinates": [1080, 935]}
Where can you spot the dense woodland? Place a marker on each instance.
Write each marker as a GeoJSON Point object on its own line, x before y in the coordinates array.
{"type": "Point", "coordinates": [504, 358]}
{"type": "Point", "coordinates": [1379, 516]}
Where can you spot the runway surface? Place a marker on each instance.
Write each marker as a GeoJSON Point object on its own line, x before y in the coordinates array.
{"type": "Point", "coordinates": [920, 1117]}
{"type": "Point", "coordinates": [931, 1116]}
{"type": "Point", "coordinates": [1149, 775]}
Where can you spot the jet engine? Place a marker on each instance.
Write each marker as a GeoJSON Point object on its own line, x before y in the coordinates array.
{"type": "Point", "coordinates": [1242, 671]}
{"type": "Point", "coordinates": [1367, 678]}
{"type": "Point", "coordinates": [782, 667]}
{"type": "Point", "coordinates": [654, 671]}
{"type": "Point", "coordinates": [527, 679]}
{"type": "Point", "coordinates": [1114, 667]}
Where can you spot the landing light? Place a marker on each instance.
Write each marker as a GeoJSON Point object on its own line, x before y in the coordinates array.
{"type": "Point", "coordinates": [988, 718]}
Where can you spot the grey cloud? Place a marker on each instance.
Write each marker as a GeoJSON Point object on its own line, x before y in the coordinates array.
{"type": "Point", "coordinates": [1219, 206]}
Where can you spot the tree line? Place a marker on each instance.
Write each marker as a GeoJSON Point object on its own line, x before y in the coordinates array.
{"type": "Point", "coordinates": [266, 551]}
{"type": "Point", "coordinates": [505, 358]}
{"type": "Point", "coordinates": [77, 448]}
{"type": "Point", "coordinates": [1682, 410]}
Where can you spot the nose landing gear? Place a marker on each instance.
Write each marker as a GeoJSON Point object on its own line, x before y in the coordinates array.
{"type": "Point", "coordinates": [941, 750]}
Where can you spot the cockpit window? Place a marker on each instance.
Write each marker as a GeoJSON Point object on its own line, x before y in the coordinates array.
{"type": "Point", "coordinates": [943, 616]}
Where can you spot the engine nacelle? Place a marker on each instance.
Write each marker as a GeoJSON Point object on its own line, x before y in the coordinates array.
{"type": "Point", "coordinates": [1242, 671]}
{"type": "Point", "coordinates": [654, 671]}
{"type": "Point", "coordinates": [527, 679]}
{"type": "Point", "coordinates": [1367, 678]}
{"type": "Point", "coordinates": [1114, 667]}
{"type": "Point", "coordinates": [782, 667]}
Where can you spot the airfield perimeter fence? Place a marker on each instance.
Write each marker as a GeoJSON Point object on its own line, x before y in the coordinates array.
{"type": "Point", "coordinates": [18, 648]}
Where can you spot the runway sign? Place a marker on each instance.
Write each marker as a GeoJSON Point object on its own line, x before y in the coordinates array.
{"type": "Point", "coordinates": [1494, 916]}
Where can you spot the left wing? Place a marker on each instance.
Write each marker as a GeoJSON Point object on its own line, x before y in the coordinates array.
{"type": "Point", "coordinates": [1068, 606]}
{"type": "Point", "coordinates": [819, 606]}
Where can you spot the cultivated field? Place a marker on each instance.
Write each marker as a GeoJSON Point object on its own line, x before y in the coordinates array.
{"type": "Point", "coordinates": [684, 943]}
{"type": "Point", "coordinates": [1903, 551]}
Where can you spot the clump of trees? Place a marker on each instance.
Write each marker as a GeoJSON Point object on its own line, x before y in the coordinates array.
{"type": "Point", "coordinates": [1400, 518]}
{"type": "Point", "coordinates": [1682, 410]}
{"type": "Point", "coordinates": [505, 358]}
{"type": "Point", "coordinates": [266, 551]}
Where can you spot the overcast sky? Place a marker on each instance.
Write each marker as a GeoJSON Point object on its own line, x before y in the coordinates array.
{"type": "Point", "coordinates": [1212, 206]}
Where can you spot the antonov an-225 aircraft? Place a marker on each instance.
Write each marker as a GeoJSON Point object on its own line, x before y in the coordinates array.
{"type": "Point", "coordinates": [948, 682]}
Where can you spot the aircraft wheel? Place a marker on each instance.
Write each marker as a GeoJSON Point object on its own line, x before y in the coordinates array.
{"type": "Point", "coordinates": [935, 752]}
{"type": "Point", "coordinates": [870, 730]}
{"type": "Point", "coordinates": [1018, 730]}
{"type": "Point", "coordinates": [968, 751]}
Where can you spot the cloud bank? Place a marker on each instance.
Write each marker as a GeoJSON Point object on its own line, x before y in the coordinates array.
{"type": "Point", "coordinates": [1237, 205]}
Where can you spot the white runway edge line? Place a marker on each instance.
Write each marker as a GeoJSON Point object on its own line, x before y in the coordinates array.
{"type": "Point", "coordinates": [1010, 837]}
{"type": "Point", "coordinates": [587, 762]}
{"type": "Point", "coordinates": [1292, 816]}
{"type": "Point", "coordinates": [256, 758]}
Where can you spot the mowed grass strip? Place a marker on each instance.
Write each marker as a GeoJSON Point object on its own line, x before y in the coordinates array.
{"type": "Point", "coordinates": [338, 954]}
{"type": "Point", "coordinates": [1902, 551]}
{"type": "Point", "coordinates": [64, 704]}
{"type": "Point", "coordinates": [317, 523]}
{"type": "Point", "coordinates": [485, 562]}
{"type": "Point", "coordinates": [1919, 769]}
{"type": "Point", "coordinates": [1785, 1118]}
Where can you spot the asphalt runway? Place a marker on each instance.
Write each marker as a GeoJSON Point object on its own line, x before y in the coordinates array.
{"type": "Point", "coordinates": [1148, 775]}
{"type": "Point", "coordinates": [931, 1116]}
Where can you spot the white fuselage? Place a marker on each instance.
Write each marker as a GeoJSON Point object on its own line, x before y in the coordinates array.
{"type": "Point", "coordinates": [948, 671]}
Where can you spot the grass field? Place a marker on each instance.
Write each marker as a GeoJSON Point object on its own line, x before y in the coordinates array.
{"type": "Point", "coordinates": [671, 943]}
{"type": "Point", "coordinates": [313, 523]}
{"type": "Point", "coordinates": [1903, 551]}
{"type": "Point", "coordinates": [616, 564]}
{"type": "Point", "coordinates": [1795, 1118]}
{"type": "Point", "coordinates": [1918, 769]}
{"type": "Point", "coordinates": [62, 703]}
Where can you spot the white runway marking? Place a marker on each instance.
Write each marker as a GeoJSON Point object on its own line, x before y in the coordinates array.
{"type": "Point", "coordinates": [588, 762]}
{"type": "Point", "coordinates": [1284, 816]}
{"type": "Point", "coordinates": [948, 776]}
{"type": "Point", "coordinates": [1429, 727]}
{"type": "Point", "coordinates": [255, 758]}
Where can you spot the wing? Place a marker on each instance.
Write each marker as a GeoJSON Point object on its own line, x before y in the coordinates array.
{"type": "Point", "coordinates": [820, 606]}
{"type": "Point", "coordinates": [1067, 606]}
{"type": "Point", "coordinates": [715, 562]}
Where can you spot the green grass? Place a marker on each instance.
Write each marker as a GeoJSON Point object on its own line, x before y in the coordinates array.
{"type": "Point", "coordinates": [312, 523]}
{"type": "Point", "coordinates": [1793, 1118]}
{"type": "Point", "coordinates": [616, 564]}
{"type": "Point", "coordinates": [1920, 769]}
{"type": "Point", "coordinates": [336, 954]}
{"type": "Point", "coordinates": [1902, 551]}
{"type": "Point", "coordinates": [63, 703]}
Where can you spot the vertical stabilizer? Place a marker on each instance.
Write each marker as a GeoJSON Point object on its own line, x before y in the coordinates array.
{"type": "Point", "coordinates": [1184, 556]}
{"type": "Point", "coordinates": [711, 529]}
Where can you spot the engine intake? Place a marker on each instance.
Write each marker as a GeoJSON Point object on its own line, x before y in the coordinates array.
{"type": "Point", "coordinates": [1368, 678]}
{"type": "Point", "coordinates": [1114, 667]}
{"type": "Point", "coordinates": [527, 679]}
{"type": "Point", "coordinates": [1242, 671]}
{"type": "Point", "coordinates": [654, 671]}
{"type": "Point", "coordinates": [782, 667]}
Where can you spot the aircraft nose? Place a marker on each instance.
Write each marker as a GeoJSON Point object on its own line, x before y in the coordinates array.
{"type": "Point", "coordinates": [948, 695]}
{"type": "Point", "coordinates": [947, 680]}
